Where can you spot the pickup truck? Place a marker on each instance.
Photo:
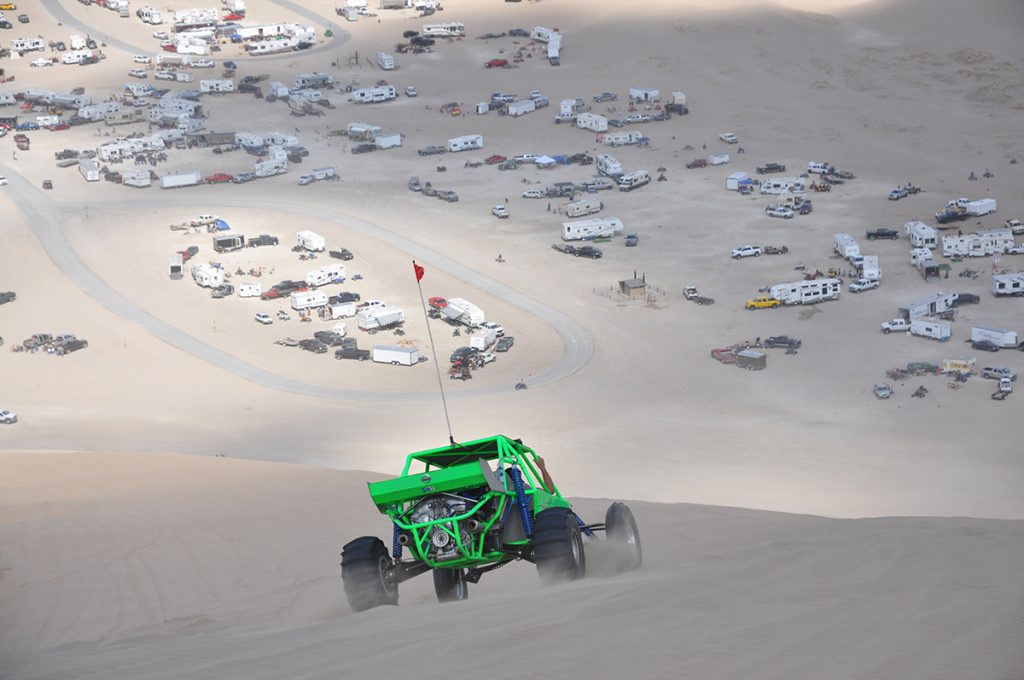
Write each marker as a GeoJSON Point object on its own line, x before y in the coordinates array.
{"type": "Point", "coordinates": [897, 325]}
{"type": "Point", "coordinates": [882, 232]}
{"type": "Point", "coordinates": [431, 150]}
{"type": "Point", "coordinates": [770, 167]}
{"type": "Point", "coordinates": [352, 353]}
{"type": "Point", "coordinates": [779, 211]}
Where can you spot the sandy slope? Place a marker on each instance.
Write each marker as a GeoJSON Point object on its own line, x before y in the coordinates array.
{"type": "Point", "coordinates": [175, 566]}
{"type": "Point", "coordinates": [135, 563]}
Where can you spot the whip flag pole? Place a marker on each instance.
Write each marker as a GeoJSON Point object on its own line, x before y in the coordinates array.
{"type": "Point", "coordinates": [419, 271]}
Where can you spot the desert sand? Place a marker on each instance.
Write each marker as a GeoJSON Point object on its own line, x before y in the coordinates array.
{"type": "Point", "coordinates": [130, 550]}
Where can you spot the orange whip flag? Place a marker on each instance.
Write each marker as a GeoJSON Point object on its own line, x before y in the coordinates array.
{"type": "Point", "coordinates": [419, 271]}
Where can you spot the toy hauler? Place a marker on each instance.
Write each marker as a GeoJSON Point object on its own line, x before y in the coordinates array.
{"type": "Point", "coordinates": [379, 317]}
{"type": "Point", "coordinates": [343, 310]}
{"type": "Point", "coordinates": [225, 243]}
{"type": "Point", "coordinates": [593, 228]}
{"type": "Point", "coordinates": [806, 292]}
{"type": "Point", "coordinates": [519, 108]}
{"type": "Point", "coordinates": [388, 141]}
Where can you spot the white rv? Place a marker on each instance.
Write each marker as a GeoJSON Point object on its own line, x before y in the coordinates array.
{"type": "Point", "coordinates": [588, 205]}
{"type": "Point", "coordinates": [592, 121]}
{"type": "Point", "coordinates": [331, 273]}
{"type": "Point", "coordinates": [308, 299]}
{"type": "Point", "coordinates": [597, 227]}
{"type": "Point", "coordinates": [644, 94]}
{"type": "Point", "coordinates": [372, 95]}
{"type": "Point", "coordinates": [1001, 337]}
{"type": "Point", "coordinates": [250, 289]}
{"type": "Point", "coordinates": [451, 29]}
{"type": "Point", "coordinates": [219, 85]}
{"type": "Point", "coordinates": [313, 80]}
{"type": "Point", "coordinates": [90, 169]}
{"type": "Point", "coordinates": [935, 329]}
{"type": "Point", "coordinates": [621, 138]}
{"type": "Point", "coordinates": [783, 185]}
{"type": "Point", "coordinates": [466, 143]}
{"type": "Point", "coordinates": [1008, 284]}
{"type": "Point", "coordinates": [921, 235]}
{"type": "Point", "coordinates": [207, 275]}
{"type": "Point", "coordinates": [363, 132]}
{"type": "Point", "coordinates": [148, 15]}
{"type": "Point", "coordinates": [806, 292]}
{"type": "Point", "coordinates": [846, 246]}
{"type": "Point", "coordinates": [869, 268]}
{"type": "Point", "coordinates": [310, 241]}
{"type": "Point", "coordinates": [464, 311]}
{"type": "Point", "coordinates": [606, 165]}
{"type": "Point", "coordinates": [385, 61]}
{"type": "Point", "coordinates": [634, 180]}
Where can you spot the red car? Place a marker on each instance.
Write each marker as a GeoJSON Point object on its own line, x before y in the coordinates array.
{"type": "Point", "coordinates": [218, 178]}
{"type": "Point", "coordinates": [60, 126]}
{"type": "Point", "coordinates": [495, 159]}
{"type": "Point", "coordinates": [234, 17]}
{"type": "Point", "coordinates": [697, 163]}
{"type": "Point", "coordinates": [497, 63]}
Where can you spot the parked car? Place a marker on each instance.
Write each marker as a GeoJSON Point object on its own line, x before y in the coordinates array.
{"type": "Point", "coordinates": [243, 177]}
{"type": "Point", "coordinates": [592, 252]}
{"type": "Point", "coordinates": [605, 97]}
{"type": "Point", "coordinates": [615, 122]}
{"type": "Point", "coordinates": [7, 296]}
{"type": "Point", "coordinates": [533, 193]}
{"type": "Point", "coordinates": [222, 291]}
{"type": "Point", "coordinates": [770, 167]}
{"type": "Point", "coordinates": [23, 18]}
{"type": "Point", "coordinates": [263, 240]}
{"type": "Point", "coordinates": [410, 91]}
{"type": "Point", "coordinates": [363, 148]}
{"type": "Point", "coordinates": [861, 285]}
{"type": "Point", "coordinates": [781, 341]}
{"type": "Point", "coordinates": [486, 358]}
{"type": "Point", "coordinates": [883, 232]}
{"type": "Point", "coordinates": [504, 343]}
{"type": "Point", "coordinates": [495, 159]}
{"type": "Point", "coordinates": [564, 248]}
{"type": "Point", "coordinates": [218, 178]}
{"type": "Point", "coordinates": [330, 338]}
{"type": "Point", "coordinates": [985, 345]}
{"type": "Point", "coordinates": [264, 318]}
{"type": "Point", "coordinates": [341, 254]}
{"type": "Point", "coordinates": [897, 325]}
{"type": "Point", "coordinates": [500, 211]}
{"type": "Point", "coordinates": [431, 150]}
{"type": "Point", "coordinates": [463, 353]}
{"type": "Point", "coordinates": [313, 345]}
{"type": "Point", "coordinates": [138, 73]}
{"type": "Point", "coordinates": [763, 302]}
{"type": "Point", "coordinates": [344, 297]}
{"type": "Point", "coordinates": [494, 326]}
{"type": "Point", "coordinates": [637, 118]}
{"type": "Point", "coordinates": [352, 352]}
{"type": "Point", "coordinates": [697, 163]}
{"type": "Point", "coordinates": [8, 417]}
{"type": "Point", "coordinates": [41, 61]}
{"type": "Point", "coordinates": [998, 373]}
{"type": "Point", "coordinates": [632, 240]}
{"type": "Point", "coordinates": [779, 211]}
{"type": "Point", "coordinates": [746, 251]}
{"type": "Point", "coordinates": [882, 391]}
{"type": "Point", "coordinates": [729, 138]}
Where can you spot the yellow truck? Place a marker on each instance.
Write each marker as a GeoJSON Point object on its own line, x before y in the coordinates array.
{"type": "Point", "coordinates": [763, 302]}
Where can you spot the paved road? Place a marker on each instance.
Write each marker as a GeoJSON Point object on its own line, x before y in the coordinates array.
{"type": "Point", "coordinates": [44, 217]}
{"type": "Point", "coordinates": [56, 8]}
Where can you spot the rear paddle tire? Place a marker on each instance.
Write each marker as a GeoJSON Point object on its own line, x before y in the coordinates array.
{"type": "Point", "coordinates": [451, 585]}
{"type": "Point", "coordinates": [558, 546]}
{"type": "Point", "coordinates": [621, 530]}
{"type": "Point", "coordinates": [367, 574]}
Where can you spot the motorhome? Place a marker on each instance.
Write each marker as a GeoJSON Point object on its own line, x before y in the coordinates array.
{"type": "Point", "coordinates": [634, 180]}
{"type": "Point", "coordinates": [466, 143]}
{"type": "Point", "coordinates": [593, 228]}
{"type": "Point", "coordinates": [806, 292]}
{"type": "Point", "coordinates": [606, 165]}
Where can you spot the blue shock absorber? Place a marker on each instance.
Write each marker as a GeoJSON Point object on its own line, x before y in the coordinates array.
{"type": "Point", "coordinates": [396, 547]}
{"type": "Point", "coordinates": [583, 525]}
{"type": "Point", "coordinates": [524, 508]}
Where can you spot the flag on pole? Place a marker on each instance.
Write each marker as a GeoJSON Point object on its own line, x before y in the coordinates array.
{"type": "Point", "coordinates": [419, 271]}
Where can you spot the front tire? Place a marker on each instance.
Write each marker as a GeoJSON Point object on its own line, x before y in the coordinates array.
{"type": "Point", "coordinates": [451, 585]}
{"type": "Point", "coordinates": [366, 574]}
{"type": "Point", "coordinates": [558, 546]}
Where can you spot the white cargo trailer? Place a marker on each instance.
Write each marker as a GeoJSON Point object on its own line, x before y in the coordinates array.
{"type": "Point", "coordinates": [936, 329]}
{"type": "Point", "coordinates": [1001, 337]}
{"type": "Point", "coordinates": [396, 355]}
{"type": "Point", "coordinates": [174, 180]}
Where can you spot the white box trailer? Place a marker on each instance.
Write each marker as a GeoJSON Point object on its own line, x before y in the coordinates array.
{"type": "Point", "coordinates": [363, 131]}
{"type": "Point", "coordinates": [308, 299]}
{"type": "Point", "coordinates": [343, 310]}
{"type": "Point", "coordinates": [1008, 284]}
{"type": "Point", "coordinates": [597, 227]}
{"type": "Point", "coordinates": [278, 89]}
{"type": "Point", "coordinates": [174, 180]}
{"type": "Point", "coordinates": [466, 143]}
{"type": "Point", "coordinates": [807, 292]}
{"type": "Point", "coordinates": [985, 206]}
{"type": "Point", "coordinates": [607, 165]}
{"type": "Point", "coordinates": [936, 329]}
{"type": "Point", "coordinates": [845, 246]}
{"type": "Point", "coordinates": [921, 235]}
{"type": "Point", "coordinates": [733, 181]}
{"type": "Point", "coordinates": [331, 273]}
{"type": "Point", "coordinates": [390, 140]}
{"type": "Point", "coordinates": [385, 61]}
{"type": "Point", "coordinates": [136, 178]}
{"type": "Point", "coordinates": [183, 77]}
{"type": "Point", "coordinates": [207, 276]}
{"type": "Point", "coordinates": [592, 121]}
{"type": "Point", "coordinates": [464, 311]}
{"type": "Point", "coordinates": [310, 241]}
{"type": "Point", "coordinates": [521, 107]}
{"type": "Point", "coordinates": [1001, 337]}
{"type": "Point", "coordinates": [483, 338]}
{"type": "Point", "coordinates": [395, 355]}
{"type": "Point", "coordinates": [379, 317]}
{"type": "Point", "coordinates": [644, 94]}
{"type": "Point", "coordinates": [588, 205]}
{"type": "Point", "coordinates": [718, 158]}
{"type": "Point", "coordinates": [216, 85]}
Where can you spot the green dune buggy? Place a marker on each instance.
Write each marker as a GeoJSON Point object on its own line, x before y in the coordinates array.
{"type": "Point", "coordinates": [466, 509]}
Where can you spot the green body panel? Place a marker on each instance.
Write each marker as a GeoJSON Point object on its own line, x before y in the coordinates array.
{"type": "Point", "coordinates": [475, 473]}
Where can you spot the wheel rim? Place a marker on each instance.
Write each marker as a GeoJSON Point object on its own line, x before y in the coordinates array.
{"type": "Point", "coordinates": [386, 581]}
